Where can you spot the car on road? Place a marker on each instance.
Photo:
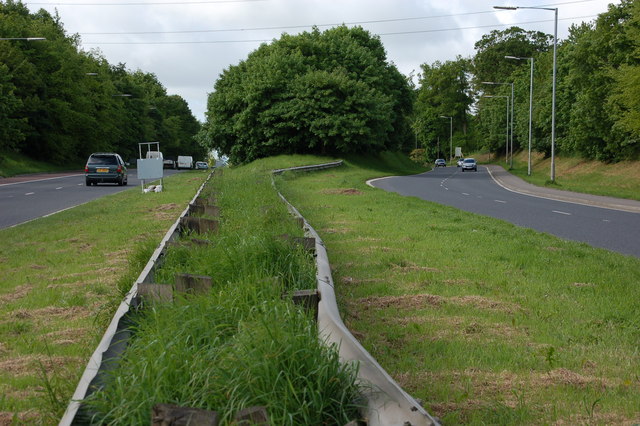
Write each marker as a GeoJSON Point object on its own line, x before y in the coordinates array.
{"type": "Point", "coordinates": [460, 161]}
{"type": "Point", "coordinates": [168, 163]}
{"type": "Point", "coordinates": [469, 164]}
{"type": "Point", "coordinates": [441, 163]}
{"type": "Point", "coordinates": [103, 167]}
{"type": "Point", "coordinates": [201, 165]}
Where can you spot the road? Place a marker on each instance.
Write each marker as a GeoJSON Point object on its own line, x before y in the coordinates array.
{"type": "Point", "coordinates": [28, 198]}
{"type": "Point", "coordinates": [477, 192]}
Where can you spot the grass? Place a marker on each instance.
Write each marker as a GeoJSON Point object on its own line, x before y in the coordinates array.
{"type": "Point", "coordinates": [486, 322]}
{"type": "Point", "coordinates": [243, 344]}
{"type": "Point", "coordinates": [59, 283]}
{"type": "Point", "coordinates": [621, 180]}
{"type": "Point", "coordinates": [12, 164]}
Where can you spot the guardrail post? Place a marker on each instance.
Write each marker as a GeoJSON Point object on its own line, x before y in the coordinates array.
{"type": "Point", "coordinates": [155, 292]}
{"type": "Point", "coordinates": [309, 299]}
{"type": "Point", "coordinates": [252, 416]}
{"type": "Point", "coordinates": [199, 225]}
{"type": "Point", "coordinates": [193, 284]}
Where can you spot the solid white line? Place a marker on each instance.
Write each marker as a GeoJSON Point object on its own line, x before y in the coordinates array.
{"type": "Point", "coordinates": [500, 201]}
{"type": "Point", "coordinates": [39, 180]}
{"type": "Point", "coordinates": [559, 212]}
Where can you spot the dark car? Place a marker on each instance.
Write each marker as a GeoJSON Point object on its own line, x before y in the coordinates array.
{"type": "Point", "coordinates": [103, 167]}
{"type": "Point", "coordinates": [441, 163]}
{"type": "Point", "coordinates": [469, 164]}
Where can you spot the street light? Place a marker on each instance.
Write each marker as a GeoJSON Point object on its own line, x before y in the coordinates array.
{"type": "Point", "coordinates": [450, 135]}
{"type": "Point", "coordinates": [507, 154]}
{"type": "Point", "coordinates": [507, 139]}
{"type": "Point", "coordinates": [530, 106]}
{"type": "Point", "coordinates": [553, 90]}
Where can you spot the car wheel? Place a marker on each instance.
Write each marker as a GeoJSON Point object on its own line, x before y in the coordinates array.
{"type": "Point", "coordinates": [88, 182]}
{"type": "Point", "coordinates": [462, 170]}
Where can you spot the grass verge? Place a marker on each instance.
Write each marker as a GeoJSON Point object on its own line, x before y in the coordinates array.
{"type": "Point", "coordinates": [12, 164]}
{"type": "Point", "coordinates": [621, 180]}
{"type": "Point", "coordinates": [486, 322]}
{"type": "Point", "coordinates": [244, 343]}
{"type": "Point", "coordinates": [59, 284]}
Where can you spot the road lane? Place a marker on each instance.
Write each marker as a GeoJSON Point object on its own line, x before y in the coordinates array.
{"type": "Point", "coordinates": [23, 201]}
{"type": "Point", "coordinates": [478, 193]}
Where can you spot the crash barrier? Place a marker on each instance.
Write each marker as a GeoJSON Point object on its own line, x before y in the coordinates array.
{"type": "Point", "coordinates": [387, 403]}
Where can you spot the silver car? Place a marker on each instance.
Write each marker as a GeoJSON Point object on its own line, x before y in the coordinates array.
{"type": "Point", "coordinates": [469, 164]}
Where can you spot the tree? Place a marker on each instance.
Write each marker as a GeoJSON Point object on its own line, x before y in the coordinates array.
{"type": "Point", "coordinates": [318, 92]}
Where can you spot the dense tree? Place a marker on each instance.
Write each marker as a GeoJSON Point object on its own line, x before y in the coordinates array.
{"type": "Point", "coordinates": [317, 92]}
{"type": "Point", "coordinates": [444, 92]}
{"type": "Point", "coordinates": [59, 103]}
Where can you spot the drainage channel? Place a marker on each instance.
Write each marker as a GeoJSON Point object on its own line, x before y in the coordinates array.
{"type": "Point", "coordinates": [387, 403]}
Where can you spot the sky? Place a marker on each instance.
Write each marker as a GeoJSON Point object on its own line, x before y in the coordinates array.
{"type": "Point", "coordinates": [187, 44]}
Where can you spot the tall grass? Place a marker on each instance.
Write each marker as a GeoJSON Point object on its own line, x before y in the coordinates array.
{"type": "Point", "coordinates": [243, 344]}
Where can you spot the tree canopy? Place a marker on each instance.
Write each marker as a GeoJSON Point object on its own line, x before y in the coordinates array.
{"type": "Point", "coordinates": [59, 104]}
{"type": "Point", "coordinates": [318, 92]}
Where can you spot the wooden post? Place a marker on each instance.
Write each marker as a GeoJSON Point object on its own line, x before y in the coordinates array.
{"type": "Point", "coordinates": [252, 416]}
{"type": "Point", "coordinates": [199, 225]}
{"type": "Point", "coordinates": [155, 292]}
{"type": "Point", "coordinates": [173, 415]}
{"type": "Point", "coordinates": [193, 284]}
{"type": "Point", "coordinates": [309, 299]}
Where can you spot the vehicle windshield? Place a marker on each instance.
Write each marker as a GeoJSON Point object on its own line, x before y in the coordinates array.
{"type": "Point", "coordinates": [469, 160]}
{"type": "Point", "coordinates": [105, 160]}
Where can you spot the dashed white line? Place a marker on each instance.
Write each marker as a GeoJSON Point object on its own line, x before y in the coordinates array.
{"type": "Point", "coordinates": [500, 201]}
{"type": "Point", "coordinates": [559, 212]}
{"type": "Point", "coordinates": [465, 193]}
{"type": "Point", "coordinates": [29, 193]}
{"type": "Point", "coordinates": [59, 187]}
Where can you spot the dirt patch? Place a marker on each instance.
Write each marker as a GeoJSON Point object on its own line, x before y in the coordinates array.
{"type": "Point", "coordinates": [18, 293]}
{"type": "Point", "coordinates": [411, 267]}
{"type": "Point", "coordinates": [583, 285]}
{"type": "Point", "coordinates": [60, 313]}
{"type": "Point", "coordinates": [68, 336]}
{"type": "Point", "coordinates": [30, 364]}
{"type": "Point", "coordinates": [342, 191]}
{"type": "Point", "coordinates": [352, 280]}
{"type": "Point", "coordinates": [24, 417]}
{"type": "Point", "coordinates": [335, 230]}
{"type": "Point", "coordinates": [417, 301]}
{"type": "Point", "coordinates": [480, 302]}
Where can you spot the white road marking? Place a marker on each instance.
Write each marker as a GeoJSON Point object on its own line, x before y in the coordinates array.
{"type": "Point", "coordinates": [500, 201]}
{"type": "Point", "coordinates": [29, 193]}
{"type": "Point", "coordinates": [606, 220]}
{"type": "Point", "coordinates": [464, 193]}
{"type": "Point", "coordinates": [559, 212]}
{"type": "Point", "coordinates": [59, 187]}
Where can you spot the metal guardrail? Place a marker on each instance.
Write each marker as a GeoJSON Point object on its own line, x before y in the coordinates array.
{"type": "Point", "coordinates": [114, 340]}
{"type": "Point", "coordinates": [387, 403]}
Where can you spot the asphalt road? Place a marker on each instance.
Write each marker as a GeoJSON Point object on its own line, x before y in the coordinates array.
{"type": "Point", "coordinates": [28, 198]}
{"type": "Point", "coordinates": [476, 192]}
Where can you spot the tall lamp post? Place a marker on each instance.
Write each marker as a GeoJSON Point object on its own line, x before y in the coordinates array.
{"type": "Point", "coordinates": [507, 158]}
{"type": "Point", "coordinates": [507, 97]}
{"type": "Point", "coordinates": [530, 106]}
{"type": "Point", "coordinates": [450, 135]}
{"type": "Point", "coordinates": [553, 90]}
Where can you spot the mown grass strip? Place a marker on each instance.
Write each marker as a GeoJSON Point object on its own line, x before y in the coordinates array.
{"type": "Point", "coordinates": [61, 277]}
{"type": "Point", "coordinates": [486, 322]}
{"type": "Point", "coordinates": [244, 343]}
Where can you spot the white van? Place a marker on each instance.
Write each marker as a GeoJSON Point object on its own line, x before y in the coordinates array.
{"type": "Point", "coordinates": [185, 162]}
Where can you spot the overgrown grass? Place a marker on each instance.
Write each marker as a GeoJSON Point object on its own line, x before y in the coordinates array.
{"type": "Point", "coordinates": [12, 164]}
{"type": "Point", "coordinates": [621, 180]}
{"type": "Point", "coordinates": [59, 279]}
{"type": "Point", "coordinates": [244, 344]}
{"type": "Point", "coordinates": [486, 322]}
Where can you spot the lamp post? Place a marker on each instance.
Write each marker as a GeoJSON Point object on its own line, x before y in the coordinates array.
{"type": "Point", "coordinates": [553, 90]}
{"type": "Point", "coordinates": [507, 154]}
{"type": "Point", "coordinates": [507, 137]}
{"type": "Point", "coordinates": [450, 135]}
{"type": "Point", "coordinates": [530, 107]}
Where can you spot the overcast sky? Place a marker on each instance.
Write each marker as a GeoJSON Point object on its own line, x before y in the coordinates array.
{"type": "Point", "coordinates": [187, 44]}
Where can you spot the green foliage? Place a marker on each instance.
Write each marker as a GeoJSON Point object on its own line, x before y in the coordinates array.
{"type": "Point", "coordinates": [318, 92]}
{"type": "Point", "coordinates": [443, 92]}
{"type": "Point", "coordinates": [59, 104]}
